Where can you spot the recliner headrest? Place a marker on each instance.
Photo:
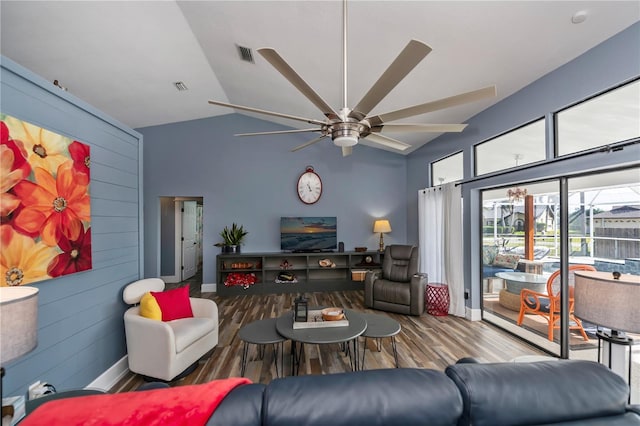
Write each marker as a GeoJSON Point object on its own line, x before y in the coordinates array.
{"type": "Point", "coordinates": [401, 251]}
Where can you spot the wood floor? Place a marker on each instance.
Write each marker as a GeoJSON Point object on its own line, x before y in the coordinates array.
{"type": "Point", "coordinates": [425, 341]}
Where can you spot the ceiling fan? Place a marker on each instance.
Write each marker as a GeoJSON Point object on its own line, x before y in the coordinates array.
{"type": "Point", "coordinates": [348, 125]}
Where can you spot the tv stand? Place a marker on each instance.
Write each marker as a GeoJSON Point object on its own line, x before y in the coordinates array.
{"type": "Point", "coordinates": [263, 268]}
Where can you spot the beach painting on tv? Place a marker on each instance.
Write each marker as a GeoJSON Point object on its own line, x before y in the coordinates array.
{"type": "Point", "coordinates": [308, 233]}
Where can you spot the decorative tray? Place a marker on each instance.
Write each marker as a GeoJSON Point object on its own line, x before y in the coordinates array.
{"type": "Point", "coordinates": [315, 321]}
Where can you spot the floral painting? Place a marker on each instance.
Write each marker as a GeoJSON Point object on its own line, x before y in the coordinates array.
{"type": "Point", "coordinates": [45, 212]}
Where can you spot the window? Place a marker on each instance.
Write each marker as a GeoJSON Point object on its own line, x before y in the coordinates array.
{"type": "Point", "coordinates": [521, 146]}
{"type": "Point", "coordinates": [448, 169]}
{"type": "Point", "coordinates": [610, 117]}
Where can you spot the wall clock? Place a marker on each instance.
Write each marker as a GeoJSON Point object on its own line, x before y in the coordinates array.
{"type": "Point", "coordinates": [309, 186]}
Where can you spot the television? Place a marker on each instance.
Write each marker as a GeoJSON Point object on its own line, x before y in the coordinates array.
{"type": "Point", "coordinates": [308, 234]}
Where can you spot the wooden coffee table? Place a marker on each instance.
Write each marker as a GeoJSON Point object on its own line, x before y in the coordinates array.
{"type": "Point", "coordinates": [322, 336]}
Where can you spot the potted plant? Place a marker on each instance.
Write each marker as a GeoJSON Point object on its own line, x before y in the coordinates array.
{"type": "Point", "coordinates": [232, 238]}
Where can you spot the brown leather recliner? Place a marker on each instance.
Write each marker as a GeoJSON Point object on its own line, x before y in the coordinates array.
{"type": "Point", "coordinates": [398, 288]}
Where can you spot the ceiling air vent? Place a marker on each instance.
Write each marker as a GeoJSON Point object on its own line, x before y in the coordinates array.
{"type": "Point", "coordinates": [246, 54]}
{"type": "Point", "coordinates": [180, 86]}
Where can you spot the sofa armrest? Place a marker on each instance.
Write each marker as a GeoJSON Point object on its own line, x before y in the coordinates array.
{"type": "Point", "coordinates": [148, 341]}
{"type": "Point", "coordinates": [418, 285]}
{"type": "Point", "coordinates": [369, 278]}
{"type": "Point", "coordinates": [204, 308]}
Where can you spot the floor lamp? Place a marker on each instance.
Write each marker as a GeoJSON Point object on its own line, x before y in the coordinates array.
{"type": "Point", "coordinates": [610, 300]}
{"type": "Point", "coordinates": [18, 324]}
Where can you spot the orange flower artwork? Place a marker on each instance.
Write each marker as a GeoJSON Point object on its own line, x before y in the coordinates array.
{"type": "Point", "coordinates": [45, 217]}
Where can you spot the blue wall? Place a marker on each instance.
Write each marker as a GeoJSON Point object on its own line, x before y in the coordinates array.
{"type": "Point", "coordinates": [252, 181]}
{"type": "Point", "coordinates": [607, 65]}
{"type": "Point", "coordinates": [80, 328]}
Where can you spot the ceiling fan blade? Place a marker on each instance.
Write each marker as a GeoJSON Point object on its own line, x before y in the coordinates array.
{"type": "Point", "coordinates": [387, 141]}
{"type": "Point", "coordinates": [417, 128]}
{"type": "Point", "coordinates": [347, 150]}
{"type": "Point", "coordinates": [410, 56]}
{"type": "Point", "coordinates": [449, 102]}
{"type": "Point", "coordinates": [289, 73]}
{"type": "Point", "coordinates": [263, 111]}
{"type": "Point", "coordinates": [278, 132]}
{"type": "Point", "coordinates": [306, 144]}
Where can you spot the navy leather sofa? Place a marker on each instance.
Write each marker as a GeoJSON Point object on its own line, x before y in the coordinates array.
{"type": "Point", "coordinates": [567, 392]}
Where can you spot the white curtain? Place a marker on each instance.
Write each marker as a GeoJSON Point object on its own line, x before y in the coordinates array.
{"type": "Point", "coordinates": [440, 239]}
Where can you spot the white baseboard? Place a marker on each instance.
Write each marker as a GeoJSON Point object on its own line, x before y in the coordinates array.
{"type": "Point", "coordinates": [208, 288]}
{"type": "Point", "coordinates": [111, 376]}
{"type": "Point", "coordinates": [473, 314]}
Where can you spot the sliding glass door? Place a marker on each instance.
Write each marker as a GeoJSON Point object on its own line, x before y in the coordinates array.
{"type": "Point", "coordinates": [520, 251]}
{"type": "Point", "coordinates": [522, 230]}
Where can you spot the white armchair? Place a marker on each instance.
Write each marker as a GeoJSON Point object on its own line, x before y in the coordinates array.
{"type": "Point", "coordinates": [163, 350]}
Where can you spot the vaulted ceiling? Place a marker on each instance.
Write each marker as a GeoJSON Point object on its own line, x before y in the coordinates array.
{"type": "Point", "coordinates": [124, 57]}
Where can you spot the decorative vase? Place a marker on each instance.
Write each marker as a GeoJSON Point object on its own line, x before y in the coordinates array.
{"type": "Point", "coordinates": [231, 249]}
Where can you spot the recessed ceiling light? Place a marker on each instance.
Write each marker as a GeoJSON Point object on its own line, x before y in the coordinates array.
{"type": "Point", "coordinates": [579, 17]}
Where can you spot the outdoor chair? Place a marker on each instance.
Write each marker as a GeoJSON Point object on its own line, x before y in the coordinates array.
{"type": "Point", "coordinates": [548, 305]}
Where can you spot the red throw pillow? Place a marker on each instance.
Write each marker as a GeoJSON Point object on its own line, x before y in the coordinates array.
{"type": "Point", "coordinates": [174, 304]}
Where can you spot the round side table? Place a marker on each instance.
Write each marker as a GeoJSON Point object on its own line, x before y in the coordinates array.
{"type": "Point", "coordinates": [437, 299]}
{"type": "Point", "coordinates": [262, 332]}
{"type": "Point", "coordinates": [379, 327]}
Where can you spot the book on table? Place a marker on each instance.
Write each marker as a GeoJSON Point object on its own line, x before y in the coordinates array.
{"type": "Point", "coordinates": [315, 320]}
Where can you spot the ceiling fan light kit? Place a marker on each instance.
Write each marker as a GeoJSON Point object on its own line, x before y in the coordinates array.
{"type": "Point", "coordinates": [348, 126]}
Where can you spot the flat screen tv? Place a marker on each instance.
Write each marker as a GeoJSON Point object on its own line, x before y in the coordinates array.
{"type": "Point", "coordinates": [308, 234]}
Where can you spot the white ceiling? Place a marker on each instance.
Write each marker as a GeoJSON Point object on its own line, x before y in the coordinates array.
{"type": "Point", "coordinates": [123, 57]}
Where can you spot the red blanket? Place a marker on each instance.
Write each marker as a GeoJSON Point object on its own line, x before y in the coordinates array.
{"type": "Point", "coordinates": [181, 405]}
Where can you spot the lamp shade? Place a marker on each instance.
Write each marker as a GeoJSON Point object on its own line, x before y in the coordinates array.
{"type": "Point", "coordinates": [381, 226]}
{"type": "Point", "coordinates": [608, 302]}
{"type": "Point", "coordinates": [18, 321]}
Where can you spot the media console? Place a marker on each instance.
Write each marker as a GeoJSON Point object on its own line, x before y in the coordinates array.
{"type": "Point", "coordinates": [258, 272]}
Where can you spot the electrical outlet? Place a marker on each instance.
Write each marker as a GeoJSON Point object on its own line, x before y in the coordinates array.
{"type": "Point", "coordinates": [34, 389]}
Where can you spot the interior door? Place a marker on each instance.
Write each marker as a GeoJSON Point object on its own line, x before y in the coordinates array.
{"type": "Point", "coordinates": [189, 239]}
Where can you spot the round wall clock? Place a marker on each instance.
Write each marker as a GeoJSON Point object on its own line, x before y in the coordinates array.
{"type": "Point", "coordinates": [309, 186]}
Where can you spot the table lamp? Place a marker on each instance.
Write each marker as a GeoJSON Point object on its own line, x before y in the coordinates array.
{"type": "Point", "coordinates": [382, 226]}
{"type": "Point", "coordinates": [609, 300]}
{"type": "Point", "coordinates": [18, 323]}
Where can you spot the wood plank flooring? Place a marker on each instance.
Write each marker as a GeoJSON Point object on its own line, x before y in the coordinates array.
{"type": "Point", "coordinates": [425, 341]}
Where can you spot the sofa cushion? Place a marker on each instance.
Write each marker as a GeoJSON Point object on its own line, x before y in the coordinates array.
{"type": "Point", "coordinates": [506, 260]}
{"type": "Point", "coordinates": [404, 396]}
{"type": "Point", "coordinates": [149, 307]}
{"type": "Point", "coordinates": [242, 406]}
{"type": "Point", "coordinates": [174, 304]}
{"type": "Point", "coordinates": [537, 393]}
{"type": "Point", "coordinates": [188, 330]}
{"type": "Point", "coordinates": [489, 253]}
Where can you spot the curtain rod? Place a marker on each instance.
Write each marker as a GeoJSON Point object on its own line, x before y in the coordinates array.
{"type": "Point", "coordinates": [618, 146]}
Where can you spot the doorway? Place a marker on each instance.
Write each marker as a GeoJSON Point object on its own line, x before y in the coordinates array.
{"type": "Point", "coordinates": [181, 248]}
